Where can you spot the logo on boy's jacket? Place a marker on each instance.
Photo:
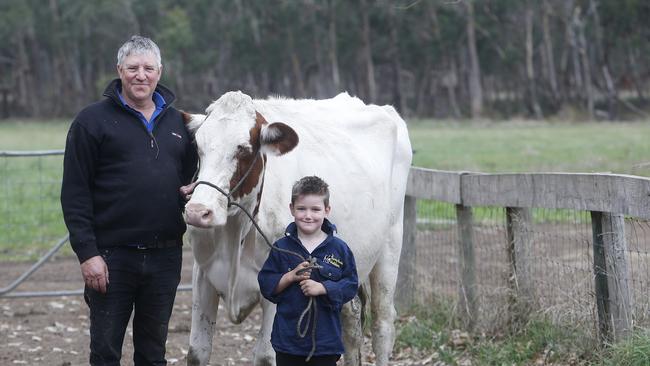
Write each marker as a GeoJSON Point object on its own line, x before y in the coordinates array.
{"type": "Point", "coordinates": [177, 135]}
{"type": "Point", "coordinates": [331, 259]}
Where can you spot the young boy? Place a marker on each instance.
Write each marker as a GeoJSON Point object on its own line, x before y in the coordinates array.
{"type": "Point", "coordinates": [331, 286]}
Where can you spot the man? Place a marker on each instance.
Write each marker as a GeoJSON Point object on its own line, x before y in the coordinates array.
{"type": "Point", "coordinates": [126, 157]}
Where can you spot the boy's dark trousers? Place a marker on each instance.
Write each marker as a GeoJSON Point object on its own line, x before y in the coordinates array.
{"type": "Point", "coordinates": [142, 278]}
{"type": "Point", "coordinates": [285, 359]}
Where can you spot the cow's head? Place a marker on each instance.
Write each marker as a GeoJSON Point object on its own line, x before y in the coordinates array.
{"type": "Point", "coordinates": [228, 139]}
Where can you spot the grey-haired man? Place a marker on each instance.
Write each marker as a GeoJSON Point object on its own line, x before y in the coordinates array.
{"type": "Point", "coordinates": [126, 158]}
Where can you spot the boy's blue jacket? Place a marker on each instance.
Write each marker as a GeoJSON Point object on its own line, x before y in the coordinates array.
{"type": "Point", "coordinates": [338, 275]}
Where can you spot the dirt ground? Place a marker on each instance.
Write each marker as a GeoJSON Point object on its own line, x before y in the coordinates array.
{"type": "Point", "coordinates": [53, 331]}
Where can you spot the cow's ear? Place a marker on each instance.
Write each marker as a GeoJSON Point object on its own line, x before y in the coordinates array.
{"type": "Point", "coordinates": [192, 121]}
{"type": "Point", "coordinates": [277, 138]}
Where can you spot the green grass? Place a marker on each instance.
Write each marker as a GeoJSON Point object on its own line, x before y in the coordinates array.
{"type": "Point", "coordinates": [427, 329]}
{"type": "Point", "coordinates": [532, 147]}
{"type": "Point", "coordinates": [33, 134]}
{"type": "Point", "coordinates": [538, 340]}
{"type": "Point", "coordinates": [634, 351]}
{"type": "Point", "coordinates": [29, 186]}
{"type": "Point", "coordinates": [29, 194]}
{"type": "Point", "coordinates": [434, 330]}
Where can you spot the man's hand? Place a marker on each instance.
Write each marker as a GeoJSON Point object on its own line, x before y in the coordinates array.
{"type": "Point", "coordinates": [95, 273]}
{"type": "Point", "coordinates": [312, 288]}
{"type": "Point", "coordinates": [186, 191]}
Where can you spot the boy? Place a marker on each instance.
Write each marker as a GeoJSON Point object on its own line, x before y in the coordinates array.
{"type": "Point", "coordinates": [331, 285]}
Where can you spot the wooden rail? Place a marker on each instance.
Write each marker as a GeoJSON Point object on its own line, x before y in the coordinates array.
{"type": "Point", "coordinates": [609, 198]}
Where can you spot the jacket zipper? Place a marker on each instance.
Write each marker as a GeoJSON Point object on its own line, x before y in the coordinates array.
{"type": "Point", "coordinates": [153, 138]}
{"type": "Point", "coordinates": [154, 142]}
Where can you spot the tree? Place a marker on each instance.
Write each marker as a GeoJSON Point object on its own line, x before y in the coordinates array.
{"type": "Point", "coordinates": [474, 77]}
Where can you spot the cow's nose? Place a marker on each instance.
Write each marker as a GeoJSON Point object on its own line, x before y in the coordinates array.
{"type": "Point", "coordinates": [199, 215]}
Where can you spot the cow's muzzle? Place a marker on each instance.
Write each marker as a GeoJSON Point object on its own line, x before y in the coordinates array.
{"type": "Point", "coordinates": [199, 215]}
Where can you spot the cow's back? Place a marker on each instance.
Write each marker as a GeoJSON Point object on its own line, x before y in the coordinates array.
{"type": "Point", "coordinates": [361, 151]}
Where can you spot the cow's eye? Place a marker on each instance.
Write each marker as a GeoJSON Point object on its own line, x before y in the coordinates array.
{"type": "Point", "coordinates": [243, 151]}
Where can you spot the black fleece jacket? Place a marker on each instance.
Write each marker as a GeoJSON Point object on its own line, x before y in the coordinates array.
{"type": "Point", "coordinates": [120, 183]}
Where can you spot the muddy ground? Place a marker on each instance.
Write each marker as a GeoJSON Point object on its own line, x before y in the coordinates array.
{"type": "Point", "coordinates": [53, 331]}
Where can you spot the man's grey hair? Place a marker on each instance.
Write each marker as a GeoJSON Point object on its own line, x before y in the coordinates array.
{"type": "Point", "coordinates": [138, 45]}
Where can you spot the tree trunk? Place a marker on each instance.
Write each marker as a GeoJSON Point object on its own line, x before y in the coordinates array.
{"type": "Point", "coordinates": [575, 87]}
{"type": "Point", "coordinates": [332, 52]}
{"type": "Point", "coordinates": [603, 59]}
{"type": "Point", "coordinates": [366, 54]}
{"type": "Point", "coordinates": [450, 84]}
{"type": "Point", "coordinates": [548, 52]}
{"type": "Point", "coordinates": [22, 74]}
{"type": "Point", "coordinates": [316, 72]}
{"type": "Point", "coordinates": [398, 96]}
{"type": "Point", "coordinates": [636, 74]}
{"type": "Point", "coordinates": [475, 89]}
{"type": "Point", "coordinates": [449, 80]}
{"type": "Point", "coordinates": [585, 62]}
{"type": "Point", "coordinates": [296, 68]}
{"type": "Point", "coordinates": [530, 67]}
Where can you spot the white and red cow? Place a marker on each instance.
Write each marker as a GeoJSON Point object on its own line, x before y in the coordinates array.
{"type": "Point", "coordinates": [362, 151]}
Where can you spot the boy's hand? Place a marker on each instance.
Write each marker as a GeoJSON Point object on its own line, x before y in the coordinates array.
{"type": "Point", "coordinates": [312, 288]}
{"type": "Point", "coordinates": [300, 273]}
{"type": "Point", "coordinates": [293, 276]}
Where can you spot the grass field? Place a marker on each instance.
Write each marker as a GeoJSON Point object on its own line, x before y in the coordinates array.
{"type": "Point", "coordinates": [29, 187]}
{"type": "Point", "coordinates": [33, 135]}
{"type": "Point", "coordinates": [524, 146]}
{"type": "Point", "coordinates": [31, 223]}
{"type": "Point", "coordinates": [532, 147]}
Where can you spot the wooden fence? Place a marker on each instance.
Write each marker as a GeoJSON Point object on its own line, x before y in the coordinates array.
{"type": "Point", "coordinates": [609, 198]}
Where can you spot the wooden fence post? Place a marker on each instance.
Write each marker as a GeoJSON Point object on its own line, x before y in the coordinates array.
{"type": "Point", "coordinates": [468, 305]}
{"type": "Point", "coordinates": [519, 249]}
{"type": "Point", "coordinates": [611, 269]}
{"type": "Point", "coordinates": [406, 288]}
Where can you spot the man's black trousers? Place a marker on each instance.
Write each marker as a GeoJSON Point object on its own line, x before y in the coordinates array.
{"type": "Point", "coordinates": [144, 280]}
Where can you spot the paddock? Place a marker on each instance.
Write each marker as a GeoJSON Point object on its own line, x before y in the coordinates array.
{"type": "Point", "coordinates": [572, 247]}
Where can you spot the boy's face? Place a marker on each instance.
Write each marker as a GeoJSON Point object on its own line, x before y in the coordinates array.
{"type": "Point", "coordinates": [309, 211]}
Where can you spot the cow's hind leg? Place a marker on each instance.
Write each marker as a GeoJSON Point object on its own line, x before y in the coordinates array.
{"type": "Point", "coordinates": [205, 303]}
{"type": "Point", "coordinates": [351, 322]}
{"type": "Point", "coordinates": [382, 289]}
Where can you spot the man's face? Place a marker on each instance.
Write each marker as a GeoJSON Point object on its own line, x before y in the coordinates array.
{"type": "Point", "coordinates": [140, 74]}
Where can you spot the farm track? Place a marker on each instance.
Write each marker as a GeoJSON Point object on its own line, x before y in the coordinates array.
{"type": "Point", "coordinates": [53, 331]}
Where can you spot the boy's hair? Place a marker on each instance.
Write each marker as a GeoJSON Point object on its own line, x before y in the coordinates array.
{"type": "Point", "coordinates": [311, 185]}
{"type": "Point", "coordinates": [138, 45]}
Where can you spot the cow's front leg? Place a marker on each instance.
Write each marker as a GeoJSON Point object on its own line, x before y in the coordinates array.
{"type": "Point", "coordinates": [352, 331]}
{"type": "Point", "coordinates": [205, 303]}
{"type": "Point", "coordinates": [263, 353]}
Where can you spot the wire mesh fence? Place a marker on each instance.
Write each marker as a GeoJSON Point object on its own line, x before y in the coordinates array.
{"type": "Point", "coordinates": [30, 187]}
{"type": "Point", "coordinates": [559, 264]}
{"type": "Point", "coordinates": [638, 239]}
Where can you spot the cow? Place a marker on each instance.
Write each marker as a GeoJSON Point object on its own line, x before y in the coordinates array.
{"type": "Point", "coordinates": [253, 151]}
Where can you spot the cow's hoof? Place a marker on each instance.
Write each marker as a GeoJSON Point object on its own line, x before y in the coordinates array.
{"type": "Point", "coordinates": [193, 358]}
